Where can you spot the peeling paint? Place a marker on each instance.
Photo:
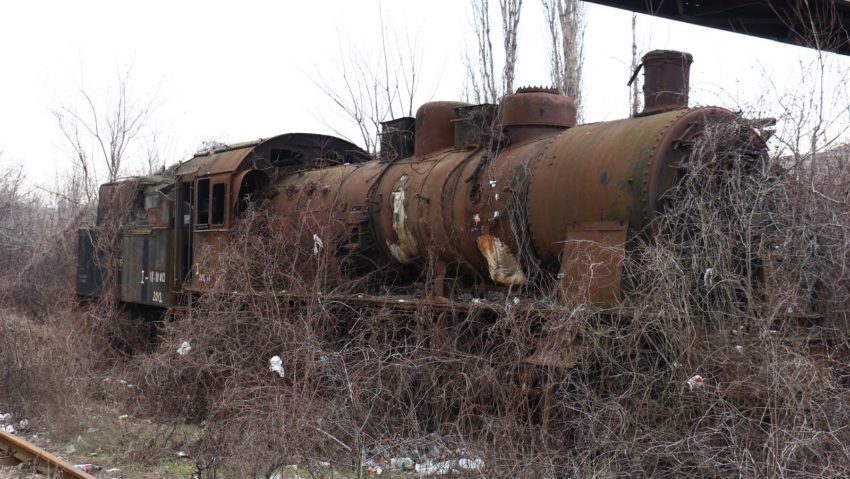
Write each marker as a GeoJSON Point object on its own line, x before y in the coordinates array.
{"type": "Point", "coordinates": [503, 266]}
{"type": "Point", "coordinates": [406, 249]}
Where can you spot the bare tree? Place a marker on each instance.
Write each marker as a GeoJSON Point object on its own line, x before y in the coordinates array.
{"type": "Point", "coordinates": [103, 133]}
{"type": "Point", "coordinates": [483, 86]}
{"type": "Point", "coordinates": [375, 88]}
{"type": "Point", "coordinates": [510, 10]}
{"type": "Point", "coordinates": [565, 22]}
{"type": "Point", "coordinates": [635, 86]}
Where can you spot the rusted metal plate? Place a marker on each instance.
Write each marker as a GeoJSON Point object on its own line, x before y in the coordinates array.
{"type": "Point", "coordinates": [609, 171]}
{"type": "Point", "coordinates": [592, 262]}
{"type": "Point", "coordinates": [145, 275]}
{"type": "Point", "coordinates": [553, 354]}
{"type": "Point", "coordinates": [291, 149]}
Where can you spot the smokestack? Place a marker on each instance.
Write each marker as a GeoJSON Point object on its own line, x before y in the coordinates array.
{"type": "Point", "coordinates": [666, 78]}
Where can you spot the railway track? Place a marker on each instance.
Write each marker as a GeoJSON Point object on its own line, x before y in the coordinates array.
{"type": "Point", "coordinates": [21, 451]}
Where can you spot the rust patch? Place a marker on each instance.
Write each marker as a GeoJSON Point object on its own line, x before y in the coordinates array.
{"type": "Point", "coordinates": [503, 266]}
{"type": "Point", "coordinates": [592, 262]}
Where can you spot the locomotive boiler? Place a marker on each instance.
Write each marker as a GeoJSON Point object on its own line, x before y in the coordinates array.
{"type": "Point", "coordinates": [478, 194]}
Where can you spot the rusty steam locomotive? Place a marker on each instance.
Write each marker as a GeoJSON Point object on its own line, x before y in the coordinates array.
{"type": "Point", "coordinates": [461, 188]}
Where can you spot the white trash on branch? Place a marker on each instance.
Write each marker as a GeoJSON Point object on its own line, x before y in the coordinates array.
{"type": "Point", "coordinates": [440, 468]}
{"type": "Point", "coordinates": [709, 277]}
{"type": "Point", "coordinates": [184, 348]}
{"type": "Point", "coordinates": [276, 365]}
{"type": "Point", "coordinates": [318, 244]}
{"type": "Point", "coordinates": [470, 464]}
{"type": "Point", "coordinates": [695, 382]}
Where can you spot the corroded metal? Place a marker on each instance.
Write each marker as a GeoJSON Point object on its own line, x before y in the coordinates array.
{"type": "Point", "coordinates": [44, 462]}
{"type": "Point", "coordinates": [535, 112]}
{"type": "Point", "coordinates": [499, 195]}
{"type": "Point", "coordinates": [666, 80]}
{"type": "Point", "coordinates": [434, 128]}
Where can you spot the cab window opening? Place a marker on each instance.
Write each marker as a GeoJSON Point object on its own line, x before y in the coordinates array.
{"type": "Point", "coordinates": [203, 196]}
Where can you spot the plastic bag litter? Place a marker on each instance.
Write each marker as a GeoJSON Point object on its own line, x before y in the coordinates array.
{"type": "Point", "coordinates": [276, 365]}
{"type": "Point", "coordinates": [9, 428]}
{"type": "Point", "coordinates": [470, 464]}
{"type": "Point", "coordinates": [695, 382]}
{"type": "Point", "coordinates": [5, 417]}
{"type": "Point", "coordinates": [184, 348]}
{"type": "Point", "coordinates": [709, 277]}
{"type": "Point", "coordinates": [402, 463]}
{"type": "Point", "coordinates": [434, 468]}
{"type": "Point", "coordinates": [318, 244]}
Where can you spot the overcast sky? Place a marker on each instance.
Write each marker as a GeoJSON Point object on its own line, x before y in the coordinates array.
{"type": "Point", "coordinates": [237, 71]}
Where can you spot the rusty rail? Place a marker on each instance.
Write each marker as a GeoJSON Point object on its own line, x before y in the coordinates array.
{"type": "Point", "coordinates": [43, 461]}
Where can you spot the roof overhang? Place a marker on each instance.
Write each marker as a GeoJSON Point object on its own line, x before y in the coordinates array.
{"type": "Point", "coordinates": [819, 24]}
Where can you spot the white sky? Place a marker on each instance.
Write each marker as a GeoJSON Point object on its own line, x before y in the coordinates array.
{"type": "Point", "coordinates": [239, 71]}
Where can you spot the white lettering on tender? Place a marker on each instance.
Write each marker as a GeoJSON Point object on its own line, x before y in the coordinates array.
{"type": "Point", "coordinates": [157, 277]}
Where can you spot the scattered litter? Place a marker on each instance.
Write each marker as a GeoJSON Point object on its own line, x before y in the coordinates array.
{"type": "Point", "coordinates": [5, 417]}
{"type": "Point", "coordinates": [516, 301]}
{"type": "Point", "coordinates": [476, 218]}
{"type": "Point", "coordinates": [739, 348]}
{"type": "Point", "coordinates": [401, 301]}
{"type": "Point", "coordinates": [182, 454]}
{"type": "Point", "coordinates": [434, 468]}
{"type": "Point", "coordinates": [471, 464]}
{"type": "Point", "coordinates": [402, 463]}
{"type": "Point", "coordinates": [324, 463]}
{"type": "Point", "coordinates": [561, 275]}
{"type": "Point", "coordinates": [184, 348]}
{"type": "Point", "coordinates": [496, 196]}
{"type": "Point", "coordinates": [318, 244]}
{"type": "Point", "coordinates": [276, 365]}
{"type": "Point", "coordinates": [114, 469]}
{"type": "Point", "coordinates": [492, 183]}
{"type": "Point", "coordinates": [87, 467]}
{"type": "Point", "coordinates": [695, 382]}
{"type": "Point", "coordinates": [123, 416]}
{"type": "Point", "coordinates": [496, 215]}
{"type": "Point", "coordinates": [9, 428]}
{"type": "Point", "coordinates": [476, 300]}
